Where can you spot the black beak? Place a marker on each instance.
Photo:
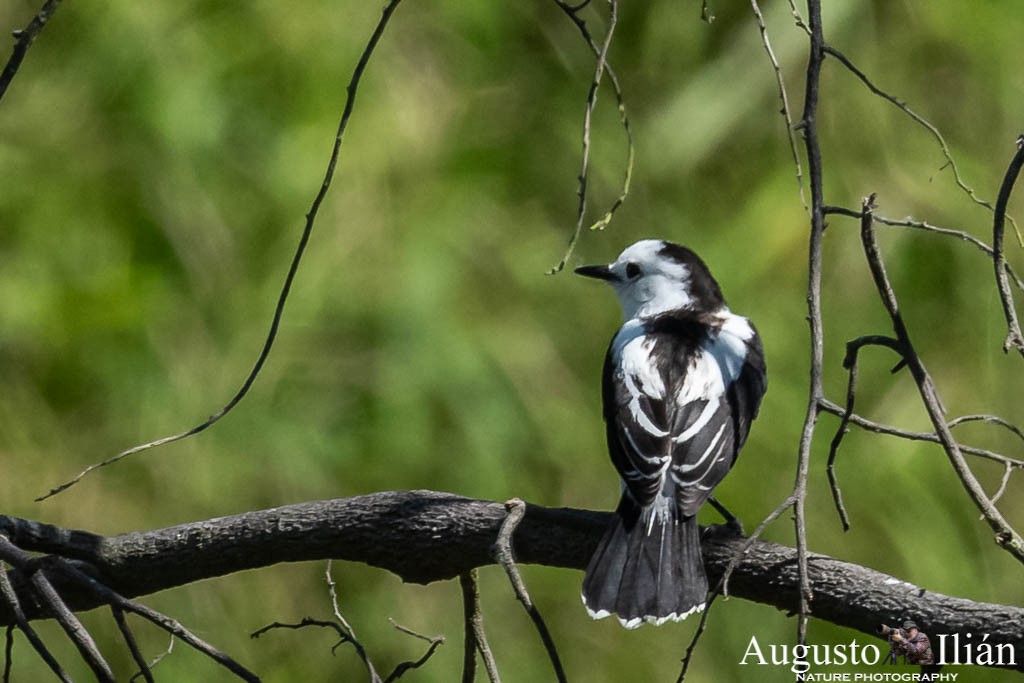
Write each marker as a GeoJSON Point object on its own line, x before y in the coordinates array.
{"type": "Point", "coordinates": [598, 272]}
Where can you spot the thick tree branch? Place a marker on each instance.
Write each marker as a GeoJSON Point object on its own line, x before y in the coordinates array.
{"type": "Point", "coordinates": [425, 536]}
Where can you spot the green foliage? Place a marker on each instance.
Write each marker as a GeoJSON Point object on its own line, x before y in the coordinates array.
{"type": "Point", "coordinates": [156, 162]}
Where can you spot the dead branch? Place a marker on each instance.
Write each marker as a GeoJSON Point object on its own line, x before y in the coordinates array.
{"type": "Point", "coordinates": [595, 84]}
{"type": "Point", "coordinates": [23, 41]}
{"type": "Point", "coordinates": [476, 638]}
{"type": "Point", "coordinates": [1005, 535]}
{"type": "Point", "coordinates": [293, 269]}
{"type": "Point", "coordinates": [1014, 337]}
{"type": "Point", "coordinates": [426, 536]}
{"type": "Point", "coordinates": [809, 128]}
{"type": "Point", "coordinates": [506, 558]}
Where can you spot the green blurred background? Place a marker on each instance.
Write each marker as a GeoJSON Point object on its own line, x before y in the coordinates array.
{"type": "Point", "coordinates": [156, 161]}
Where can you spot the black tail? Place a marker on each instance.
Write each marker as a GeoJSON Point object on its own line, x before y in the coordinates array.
{"type": "Point", "coordinates": [648, 567]}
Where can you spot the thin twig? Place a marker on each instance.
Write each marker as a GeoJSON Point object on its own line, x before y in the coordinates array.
{"type": "Point", "coordinates": [927, 125]}
{"type": "Point", "coordinates": [168, 624]}
{"type": "Point", "coordinates": [156, 660]}
{"type": "Point", "coordinates": [808, 124]}
{"type": "Point", "coordinates": [785, 101]}
{"type": "Point", "coordinates": [750, 541]}
{"type": "Point", "coordinates": [701, 626]}
{"type": "Point", "coordinates": [23, 41]}
{"type": "Point", "coordinates": [1002, 486]}
{"type": "Point", "coordinates": [705, 13]}
{"type": "Point", "coordinates": [931, 437]}
{"type": "Point", "coordinates": [400, 669]}
{"type": "Point", "coordinates": [133, 646]}
{"type": "Point", "coordinates": [476, 638]}
{"type": "Point", "coordinates": [343, 635]}
{"type": "Point", "coordinates": [925, 226]}
{"type": "Point", "coordinates": [599, 69]}
{"type": "Point", "coordinates": [289, 278]}
{"type": "Point", "coordinates": [620, 101]}
{"type": "Point", "coordinates": [334, 600]}
{"type": "Point", "coordinates": [1005, 535]}
{"type": "Point", "coordinates": [798, 18]}
{"type": "Point", "coordinates": [850, 363]}
{"type": "Point", "coordinates": [72, 626]}
{"type": "Point", "coordinates": [11, 598]}
{"type": "Point", "coordinates": [48, 596]}
{"type": "Point", "coordinates": [1014, 338]}
{"type": "Point", "coordinates": [515, 510]}
{"type": "Point", "coordinates": [991, 419]}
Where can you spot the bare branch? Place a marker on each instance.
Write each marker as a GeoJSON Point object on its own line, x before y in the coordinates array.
{"type": "Point", "coordinates": [850, 363]}
{"type": "Point", "coordinates": [1014, 337]}
{"type": "Point", "coordinates": [808, 124]}
{"type": "Point", "coordinates": [927, 125]}
{"type": "Point", "coordinates": [385, 530]}
{"type": "Point", "coordinates": [784, 97]}
{"type": "Point", "coordinates": [991, 419]}
{"type": "Point", "coordinates": [505, 556]}
{"type": "Point", "coordinates": [331, 588]}
{"type": "Point", "coordinates": [23, 41]}
{"type": "Point", "coordinates": [156, 660]}
{"type": "Point", "coordinates": [343, 635]}
{"type": "Point", "coordinates": [1005, 536]}
{"type": "Point", "coordinates": [1007, 471]}
{"type": "Point", "coordinates": [932, 437]}
{"type": "Point", "coordinates": [293, 269]}
{"type": "Point", "coordinates": [476, 638]}
{"type": "Point", "coordinates": [19, 619]}
{"type": "Point", "coordinates": [56, 608]}
{"type": "Point", "coordinates": [701, 626]}
{"type": "Point", "coordinates": [435, 642]}
{"type": "Point", "coordinates": [604, 221]}
{"type": "Point", "coordinates": [599, 69]}
{"type": "Point", "coordinates": [133, 646]}
{"type": "Point", "coordinates": [925, 226]}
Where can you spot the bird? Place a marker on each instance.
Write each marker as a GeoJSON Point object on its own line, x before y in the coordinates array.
{"type": "Point", "coordinates": [682, 382]}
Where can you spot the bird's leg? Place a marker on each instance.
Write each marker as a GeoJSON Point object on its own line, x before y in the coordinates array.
{"type": "Point", "coordinates": [731, 520]}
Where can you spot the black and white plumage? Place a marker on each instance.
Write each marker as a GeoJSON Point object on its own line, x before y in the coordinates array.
{"type": "Point", "coordinates": [683, 380]}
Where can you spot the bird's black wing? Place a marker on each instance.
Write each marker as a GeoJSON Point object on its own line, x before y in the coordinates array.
{"type": "Point", "coordinates": [674, 426]}
{"type": "Point", "coordinates": [719, 398]}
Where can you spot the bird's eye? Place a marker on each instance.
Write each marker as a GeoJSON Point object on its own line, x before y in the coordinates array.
{"type": "Point", "coordinates": [632, 270]}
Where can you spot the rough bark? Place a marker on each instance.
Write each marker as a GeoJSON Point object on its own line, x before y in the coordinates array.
{"type": "Point", "coordinates": [426, 536]}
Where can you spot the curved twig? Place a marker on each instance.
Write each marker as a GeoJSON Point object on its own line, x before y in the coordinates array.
{"type": "Point", "coordinates": [402, 667]}
{"type": "Point", "coordinates": [55, 606]}
{"type": "Point", "coordinates": [927, 125]}
{"type": "Point", "coordinates": [14, 605]}
{"type": "Point", "coordinates": [604, 221]}
{"type": "Point", "coordinates": [293, 269]}
{"type": "Point", "coordinates": [850, 363]}
{"type": "Point", "coordinates": [599, 69]}
{"type": "Point", "coordinates": [1005, 535]}
{"type": "Point", "coordinates": [516, 510]}
{"type": "Point", "coordinates": [785, 111]}
{"type": "Point", "coordinates": [1014, 337]}
{"type": "Point", "coordinates": [931, 437]}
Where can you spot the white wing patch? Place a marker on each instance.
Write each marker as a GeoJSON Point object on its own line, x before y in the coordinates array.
{"type": "Point", "coordinates": [701, 421]}
{"type": "Point", "coordinates": [716, 365]}
{"type": "Point", "coordinates": [632, 357]}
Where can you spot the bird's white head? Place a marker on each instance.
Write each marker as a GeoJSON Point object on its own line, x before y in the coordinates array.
{"type": "Point", "coordinates": [652, 277]}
